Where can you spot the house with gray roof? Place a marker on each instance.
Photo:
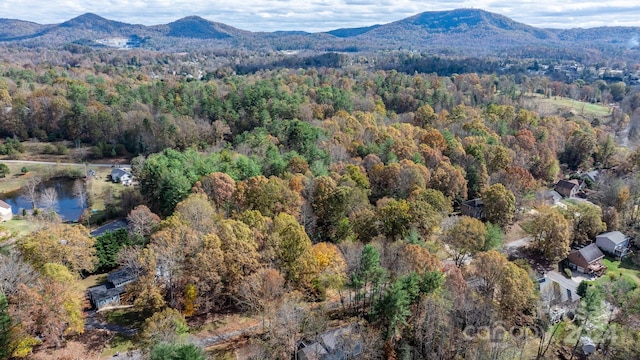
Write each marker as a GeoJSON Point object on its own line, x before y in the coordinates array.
{"type": "Point", "coordinates": [338, 344]}
{"type": "Point", "coordinates": [587, 260]}
{"type": "Point", "coordinates": [105, 295]}
{"type": "Point", "coordinates": [121, 175]}
{"type": "Point", "coordinates": [614, 243]}
{"type": "Point", "coordinates": [108, 294]}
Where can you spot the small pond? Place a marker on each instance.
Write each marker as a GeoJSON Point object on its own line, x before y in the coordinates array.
{"type": "Point", "coordinates": [67, 205]}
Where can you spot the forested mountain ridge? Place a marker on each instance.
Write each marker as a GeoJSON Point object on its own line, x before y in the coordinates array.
{"type": "Point", "coordinates": [468, 32]}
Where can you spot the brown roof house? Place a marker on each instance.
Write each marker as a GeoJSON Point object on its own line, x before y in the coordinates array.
{"type": "Point", "coordinates": [587, 260]}
{"type": "Point", "coordinates": [567, 188]}
{"type": "Point", "coordinates": [5, 211]}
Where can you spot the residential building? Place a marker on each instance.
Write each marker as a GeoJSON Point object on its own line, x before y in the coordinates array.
{"type": "Point", "coordinates": [567, 188]}
{"type": "Point", "coordinates": [614, 243]}
{"type": "Point", "coordinates": [587, 260]}
{"type": "Point", "coordinates": [473, 208]}
{"type": "Point", "coordinates": [109, 293]}
{"type": "Point", "coordinates": [337, 344]}
{"type": "Point", "coordinates": [6, 213]}
{"type": "Point", "coordinates": [120, 175]}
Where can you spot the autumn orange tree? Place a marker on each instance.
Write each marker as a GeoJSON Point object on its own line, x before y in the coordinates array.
{"type": "Point", "coordinates": [68, 245]}
{"type": "Point", "coordinates": [551, 233]}
{"type": "Point", "coordinates": [499, 205]}
{"type": "Point", "coordinates": [466, 237]}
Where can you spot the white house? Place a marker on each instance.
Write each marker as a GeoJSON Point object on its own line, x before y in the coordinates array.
{"type": "Point", "coordinates": [5, 211]}
{"type": "Point", "coordinates": [121, 176]}
{"type": "Point", "coordinates": [614, 242]}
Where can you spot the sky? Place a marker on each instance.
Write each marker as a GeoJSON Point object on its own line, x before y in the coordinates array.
{"type": "Point", "coordinates": [322, 15]}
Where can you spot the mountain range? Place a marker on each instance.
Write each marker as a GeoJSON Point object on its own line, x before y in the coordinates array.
{"type": "Point", "coordinates": [462, 31]}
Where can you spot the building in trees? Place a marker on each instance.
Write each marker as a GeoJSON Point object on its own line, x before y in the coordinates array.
{"type": "Point", "coordinates": [341, 343]}
{"type": "Point", "coordinates": [473, 208]}
{"type": "Point", "coordinates": [587, 260]}
{"type": "Point", "coordinates": [109, 293]}
{"type": "Point", "coordinates": [567, 188]}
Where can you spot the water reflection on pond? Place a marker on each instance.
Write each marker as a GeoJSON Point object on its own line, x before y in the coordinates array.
{"type": "Point", "coordinates": [67, 204]}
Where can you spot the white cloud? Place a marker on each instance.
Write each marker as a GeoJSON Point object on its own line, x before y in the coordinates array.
{"type": "Point", "coordinates": [322, 15]}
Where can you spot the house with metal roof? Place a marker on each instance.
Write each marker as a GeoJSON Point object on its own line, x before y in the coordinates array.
{"type": "Point", "coordinates": [587, 260]}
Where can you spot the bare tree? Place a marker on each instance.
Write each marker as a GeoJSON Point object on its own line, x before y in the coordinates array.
{"type": "Point", "coordinates": [142, 221]}
{"type": "Point", "coordinates": [284, 330]}
{"type": "Point", "coordinates": [30, 190]}
{"type": "Point", "coordinates": [49, 198]}
{"type": "Point", "coordinates": [80, 192]}
{"type": "Point", "coordinates": [261, 291]}
{"type": "Point", "coordinates": [13, 272]}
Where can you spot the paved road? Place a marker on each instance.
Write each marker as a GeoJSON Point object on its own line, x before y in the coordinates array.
{"type": "Point", "coordinates": [92, 323]}
{"type": "Point", "coordinates": [562, 280]}
{"type": "Point", "coordinates": [54, 163]}
{"type": "Point", "coordinates": [112, 226]}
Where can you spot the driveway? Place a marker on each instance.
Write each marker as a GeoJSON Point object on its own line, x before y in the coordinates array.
{"type": "Point", "coordinates": [562, 280]}
{"type": "Point", "coordinates": [112, 226]}
{"type": "Point", "coordinates": [91, 322]}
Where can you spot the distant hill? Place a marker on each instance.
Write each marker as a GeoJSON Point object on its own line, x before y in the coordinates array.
{"type": "Point", "coordinates": [349, 32]}
{"type": "Point", "coordinates": [195, 27]}
{"type": "Point", "coordinates": [18, 30]}
{"type": "Point", "coordinates": [466, 32]}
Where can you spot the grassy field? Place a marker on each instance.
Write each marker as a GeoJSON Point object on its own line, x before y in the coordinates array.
{"type": "Point", "coordinates": [627, 269]}
{"type": "Point", "coordinates": [93, 280]}
{"type": "Point", "coordinates": [560, 105]}
{"type": "Point", "coordinates": [20, 227]}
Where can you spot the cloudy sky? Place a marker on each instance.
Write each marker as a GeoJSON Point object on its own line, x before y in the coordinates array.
{"type": "Point", "coordinates": [322, 15]}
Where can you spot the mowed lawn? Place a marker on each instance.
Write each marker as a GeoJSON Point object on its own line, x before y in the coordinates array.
{"type": "Point", "coordinates": [626, 269]}
{"type": "Point", "coordinates": [20, 227]}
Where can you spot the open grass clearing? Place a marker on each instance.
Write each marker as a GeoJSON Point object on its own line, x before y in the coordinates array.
{"type": "Point", "coordinates": [557, 105]}
{"type": "Point", "coordinates": [615, 269]}
{"type": "Point", "coordinates": [93, 280]}
{"type": "Point", "coordinates": [19, 227]}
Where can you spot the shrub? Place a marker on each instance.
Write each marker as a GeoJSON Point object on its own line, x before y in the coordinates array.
{"type": "Point", "coordinates": [567, 273]}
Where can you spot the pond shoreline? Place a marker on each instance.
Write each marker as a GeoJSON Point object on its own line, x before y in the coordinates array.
{"type": "Point", "coordinates": [66, 195]}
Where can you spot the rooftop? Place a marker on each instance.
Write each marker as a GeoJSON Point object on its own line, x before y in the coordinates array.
{"type": "Point", "coordinates": [591, 253]}
{"type": "Point", "coordinates": [615, 237]}
{"type": "Point", "coordinates": [568, 184]}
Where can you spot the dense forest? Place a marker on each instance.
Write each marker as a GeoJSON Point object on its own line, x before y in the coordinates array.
{"type": "Point", "coordinates": [313, 196]}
